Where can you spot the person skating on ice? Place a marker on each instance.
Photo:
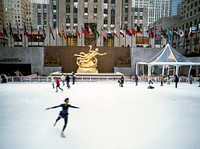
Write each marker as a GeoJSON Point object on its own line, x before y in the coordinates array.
{"type": "Point", "coordinates": [58, 84]}
{"type": "Point", "coordinates": [63, 113]}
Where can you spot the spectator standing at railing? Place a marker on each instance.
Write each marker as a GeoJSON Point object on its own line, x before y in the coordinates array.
{"type": "Point", "coordinates": [58, 84]}
{"type": "Point", "coordinates": [136, 80]}
{"type": "Point", "coordinates": [67, 81]}
{"type": "Point", "coordinates": [121, 81]}
{"type": "Point", "coordinates": [168, 79]}
{"type": "Point", "coordinates": [52, 82]}
{"type": "Point", "coordinates": [73, 77]}
{"type": "Point", "coordinates": [62, 78]}
{"type": "Point", "coordinates": [176, 80]}
{"type": "Point", "coordinates": [161, 80]}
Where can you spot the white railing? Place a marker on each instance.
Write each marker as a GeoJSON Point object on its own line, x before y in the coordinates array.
{"type": "Point", "coordinates": [91, 79]}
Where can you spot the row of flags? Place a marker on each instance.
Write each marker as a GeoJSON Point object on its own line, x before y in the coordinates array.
{"type": "Point", "coordinates": [85, 30]}
{"type": "Point", "coordinates": [168, 33]}
{"type": "Point", "coordinates": [114, 33]}
{"type": "Point", "coordinates": [153, 32]}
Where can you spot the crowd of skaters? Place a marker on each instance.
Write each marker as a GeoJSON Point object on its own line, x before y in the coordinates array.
{"type": "Point", "coordinates": [64, 80]}
{"type": "Point", "coordinates": [162, 79]}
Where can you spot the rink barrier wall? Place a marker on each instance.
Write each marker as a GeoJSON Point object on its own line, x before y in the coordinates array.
{"type": "Point", "coordinates": [93, 79]}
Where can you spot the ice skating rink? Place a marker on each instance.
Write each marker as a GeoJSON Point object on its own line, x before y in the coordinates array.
{"type": "Point", "coordinates": [110, 117]}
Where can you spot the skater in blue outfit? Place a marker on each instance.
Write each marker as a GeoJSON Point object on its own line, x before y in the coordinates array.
{"type": "Point", "coordinates": [63, 113]}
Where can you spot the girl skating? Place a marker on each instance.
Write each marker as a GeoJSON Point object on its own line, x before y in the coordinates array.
{"type": "Point", "coordinates": [63, 113]}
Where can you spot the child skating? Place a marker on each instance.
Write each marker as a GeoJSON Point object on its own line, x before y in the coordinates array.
{"type": "Point", "coordinates": [63, 113]}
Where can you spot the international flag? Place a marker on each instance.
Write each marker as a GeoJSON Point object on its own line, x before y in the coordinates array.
{"type": "Point", "coordinates": [11, 31]}
{"type": "Point", "coordinates": [121, 32]}
{"type": "Point", "coordinates": [26, 32]}
{"type": "Point", "coordinates": [58, 32]}
{"type": "Point", "coordinates": [38, 31]}
{"type": "Point", "coordinates": [175, 32]}
{"type": "Point", "coordinates": [157, 35]}
{"type": "Point", "coordinates": [63, 33]}
{"type": "Point", "coordinates": [78, 33]}
{"type": "Point", "coordinates": [169, 33]}
{"type": "Point", "coordinates": [103, 34]}
{"type": "Point", "coordinates": [163, 32]}
{"type": "Point", "coordinates": [134, 32]}
{"type": "Point", "coordinates": [51, 32]}
{"type": "Point", "coordinates": [84, 30]}
{"type": "Point", "coordinates": [90, 30]}
{"type": "Point", "coordinates": [181, 33]}
{"type": "Point", "coordinates": [1, 34]}
{"type": "Point", "coordinates": [139, 30]}
{"type": "Point", "coordinates": [32, 33]}
{"type": "Point", "coordinates": [18, 33]}
{"type": "Point", "coordinates": [128, 32]}
{"type": "Point", "coordinates": [115, 33]}
{"type": "Point", "coordinates": [192, 31]}
{"type": "Point", "coordinates": [44, 33]}
{"type": "Point", "coordinates": [109, 34]}
{"type": "Point", "coordinates": [151, 34]}
{"type": "Point", "coordinates": [96, 32]}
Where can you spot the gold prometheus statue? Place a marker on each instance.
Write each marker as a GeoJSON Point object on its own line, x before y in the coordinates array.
{"type": "Point", "coordinates": [87, 62]}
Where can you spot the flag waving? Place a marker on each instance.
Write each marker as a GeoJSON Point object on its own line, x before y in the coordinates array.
{"type": "Point", "coordinates": [103, 34]}
{"type": "Point", "coordinates": [96, 32]}
{"type": "Point", "coordinates": [11, 32]}
{"type": "Point", "coordinates": [63, 33]}
{"type": "Point", "coordinates": [78, 33]}
{"type": "Point", "coordinates": [134, 32]}
{"type": "Point", "coordinates": [121, 32]}
{"type": "Point", "coordinates": [26, 32]}
{"type": "Point", "coordinates": [84, 30]}
{"type": "Point", "coordinates": [139, 30]}
{"type": "Point", "coordinates": [128, 32]}
{"type": "Point", "coordinates": [115, 33]}
{"type": "Point", "coordinates": [58, 32]}
{"type": "Point", "coordinates": [181, 33]}
{"type": "Point", "coordinates": [51, 32]}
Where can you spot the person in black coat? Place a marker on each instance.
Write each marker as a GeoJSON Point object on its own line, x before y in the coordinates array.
{"type": "Point", "coordinates": [176, 80]}
{"type": "Point", "coordinates": [67, 81]}
{"type": "Point", "coordinates": [136, 80]}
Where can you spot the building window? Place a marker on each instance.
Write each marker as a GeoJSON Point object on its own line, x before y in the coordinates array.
{"type": "Point", "coordinates": [105, 11]}
{"type": "Point", "coordinates": [75, 10]}
{"type": "Point", "coordinates": [95, 10]}
{"type": "Point", "coordinates": [112, 1]}
{"type": "Point", "coordinates": [75, 20]}
{"type": "Point", "coordinates": [85, 10]}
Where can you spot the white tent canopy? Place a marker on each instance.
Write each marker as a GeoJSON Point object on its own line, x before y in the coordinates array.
{"type": "Point", "coordinates": [168, 57]}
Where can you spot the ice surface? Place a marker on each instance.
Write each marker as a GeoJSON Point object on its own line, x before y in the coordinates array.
{"type": "Point", "coordinates": [110, 117]}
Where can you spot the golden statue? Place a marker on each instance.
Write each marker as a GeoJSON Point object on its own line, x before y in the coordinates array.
{"type": "Point", "coordinates": [87, 62]}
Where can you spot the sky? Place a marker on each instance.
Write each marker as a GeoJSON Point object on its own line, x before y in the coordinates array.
{"type": "Point", "coordinates": [110, 117]}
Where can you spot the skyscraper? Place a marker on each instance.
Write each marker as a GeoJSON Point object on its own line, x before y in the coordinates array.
{"type": "Point", "coordinates": [18, 12]}
{"type": "Point", "coordinates": [156, 9]}
{"type": "Point", "coordinates": [175, 7]}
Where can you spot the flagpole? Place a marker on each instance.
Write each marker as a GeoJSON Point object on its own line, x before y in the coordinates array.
{"type": "Point", "coordinates": [49, 35]}
{"type": "Point", "coordinates": [56, 36]}
{"type": "Point", "coordinates": [195, 46]}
